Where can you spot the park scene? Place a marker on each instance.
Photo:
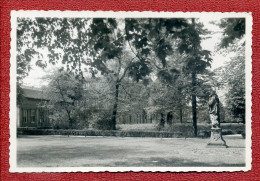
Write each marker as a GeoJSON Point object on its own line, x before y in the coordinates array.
{"type": "Point", "coordinates": [130, 92]}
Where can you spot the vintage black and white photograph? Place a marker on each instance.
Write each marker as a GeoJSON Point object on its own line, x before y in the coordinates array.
{"type": "Point", "coordinates": [121, 91]}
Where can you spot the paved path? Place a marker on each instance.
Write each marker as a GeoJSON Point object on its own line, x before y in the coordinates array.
{"type": "Point", "coordinates": [62, 151]}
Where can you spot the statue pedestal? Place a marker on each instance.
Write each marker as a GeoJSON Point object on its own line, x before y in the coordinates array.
{"type": "Point", "coordinates": [216, 139]}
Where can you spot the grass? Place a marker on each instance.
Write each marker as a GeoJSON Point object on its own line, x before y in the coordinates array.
{"type": "Point", "coordinates": [64, 151]}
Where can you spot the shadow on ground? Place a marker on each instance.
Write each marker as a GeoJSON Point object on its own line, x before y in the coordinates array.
{"type": "Point", "coordinates": [62, 151]}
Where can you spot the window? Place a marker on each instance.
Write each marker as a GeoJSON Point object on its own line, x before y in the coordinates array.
{"type": "Point", "coordinates": [29, 115]}
{"type": "Point", "coordinates": [33, 115]}
{"type": "Point", "coordinates": [24, 116]}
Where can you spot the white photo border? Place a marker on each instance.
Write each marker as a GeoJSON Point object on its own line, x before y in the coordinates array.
{"type": "Point", "coordinates": [129, 14]}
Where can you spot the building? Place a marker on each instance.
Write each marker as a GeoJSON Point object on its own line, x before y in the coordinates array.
{"type": "Point", "coordinates": [29, 110]}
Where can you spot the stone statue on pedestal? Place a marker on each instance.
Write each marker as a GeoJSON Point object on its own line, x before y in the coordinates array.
{"type": "Point", "coordinates": [214, 110]}
{"type": "Point", "coordinates": [216, 138]}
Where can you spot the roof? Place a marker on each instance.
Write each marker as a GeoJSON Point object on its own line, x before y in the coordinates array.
{"type": "Point", "coordinates": [33, 93]}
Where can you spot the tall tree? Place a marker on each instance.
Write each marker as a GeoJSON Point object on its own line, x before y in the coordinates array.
{"type": "Point", "coordinates": [155, 39]}
{"type": "Point", "coordinates": [197, 62]}
{"type": "Point", "coordinates": [109, 55]}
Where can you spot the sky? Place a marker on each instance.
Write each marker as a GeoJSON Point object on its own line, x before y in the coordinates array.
{"type": "Point", "coordinates": [211, 43]}
{"type": "Point", "coordinates": [34, 79]}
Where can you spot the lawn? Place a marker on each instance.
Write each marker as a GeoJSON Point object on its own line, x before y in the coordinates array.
{"type": "Point", "coordinates": [64, 151]}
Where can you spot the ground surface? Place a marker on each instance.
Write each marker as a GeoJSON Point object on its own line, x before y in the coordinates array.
{"type": "Point", "coordinates": [62, 151]}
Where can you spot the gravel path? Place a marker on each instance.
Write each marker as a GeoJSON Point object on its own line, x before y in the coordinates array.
{"type": "Point", "coordinates": [62, 151]}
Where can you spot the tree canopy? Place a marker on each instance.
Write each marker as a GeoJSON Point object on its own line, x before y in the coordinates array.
{"type": "Point", "coordinates": [121, 50]}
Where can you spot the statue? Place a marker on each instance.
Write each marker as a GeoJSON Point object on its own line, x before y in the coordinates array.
{"type": "Point", "coordinates": [214, 110]}
{"type": "Point", "coordinates": [216, 138]}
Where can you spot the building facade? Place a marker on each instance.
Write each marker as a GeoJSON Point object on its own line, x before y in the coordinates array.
{"type": "Point", "coordinates": [29, 110]}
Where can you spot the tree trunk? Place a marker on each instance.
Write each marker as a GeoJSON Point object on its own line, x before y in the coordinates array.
{"type": "Point", "coordinates": [180, 113]}
{"type": "Point", "coordinates": [169, 118]}
{"type": "Point", "coordinates": [162, 121]}
{"type": "Point", "coordinates": [113, 121]}
{"type": "Point", "coordinates": [69, 118]}
{"type": "Point", "coordinates": [194, 104]}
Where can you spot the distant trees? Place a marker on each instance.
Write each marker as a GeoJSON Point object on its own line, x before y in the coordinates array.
{"type": "Point", "coordinates": [233, 77]}
{"type": "Point", "coordinates": [233, 73]}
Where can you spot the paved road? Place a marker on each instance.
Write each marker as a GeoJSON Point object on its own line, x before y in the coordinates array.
{"type": "Point", "coordinates": [62, 151]}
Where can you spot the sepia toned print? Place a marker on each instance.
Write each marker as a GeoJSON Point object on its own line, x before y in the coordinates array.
{"type": "Point", "coordinates": [130, 91]}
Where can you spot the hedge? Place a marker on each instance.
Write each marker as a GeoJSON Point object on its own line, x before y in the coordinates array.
{"type": "Point", "coordinates": [176, 132]}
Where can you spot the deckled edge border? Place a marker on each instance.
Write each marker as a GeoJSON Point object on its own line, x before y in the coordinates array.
{"type": "Point", "coordinates": [133, 14]}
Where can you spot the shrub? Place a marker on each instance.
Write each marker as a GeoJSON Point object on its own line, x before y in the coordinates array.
{"type": "Point", "coordinates": [103, 120]}
{"type": "Point", "coordinates": [58, 120]}
{"type": "Point", "coordinates": [103, 124]}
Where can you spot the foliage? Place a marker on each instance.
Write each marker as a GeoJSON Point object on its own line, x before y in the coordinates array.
{"type": "Point", "coordinates": [120, 51]}
{"type": "Point", "coordinates": [233, 73]}
{"type": "Point", "coordinates": [53, 34]}
{"type": "Point", "coordinates": [156, 39]}
{"type": "Point", "coordinates": [109, 56]}
{"type": "Point", "coordinates": [233, 28]}
{"type": "Point", "coordinates": [73, 42]}
{"type": "Point", "coordinates": [234, 76]}
{"type": "Point", "coordinates": [103, 121]}
{"type": "Point", "coordinates": [65, 93]}
{"type": "Point", "coordinates": [19, 94]}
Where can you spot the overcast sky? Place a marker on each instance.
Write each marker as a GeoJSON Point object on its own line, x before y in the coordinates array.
{"type": "Point", "coordinates": [34, 79]}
